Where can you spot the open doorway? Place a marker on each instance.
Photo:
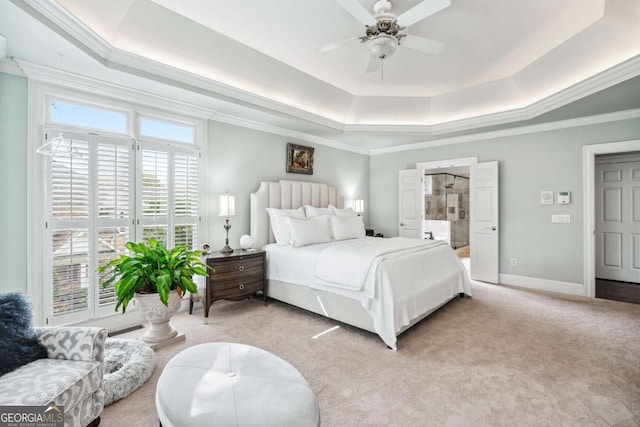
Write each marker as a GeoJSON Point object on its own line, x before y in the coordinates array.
{"type": "Point", "coordinates": [446, 203]}
{"type": "Point", "coordinates": [617, 198]}
{"type": "Point", "coordinates": [446, 207]}
{"type": "Point", "coordinates": [589, 153]}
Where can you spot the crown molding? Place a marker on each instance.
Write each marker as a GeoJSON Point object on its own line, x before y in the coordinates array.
{"type": "Point", "coordinates": [544, 127]}
{"type": "Point", "coordinates": [52, 13]}
{"type": "Point", "coordinates": [10, 66]}
{"type": "Point", "coordinates": [65, 21]}
{"type": "Point", "coordinates": [144, 67]}
{"type": "Point", "coordinates": [111, 90]}
{"type": "Point", "coordinates": [86, 84]}
{"type": "Point", "coordinates": [98, 87]}
{"type": "Point", "coordinates": [276, 130]}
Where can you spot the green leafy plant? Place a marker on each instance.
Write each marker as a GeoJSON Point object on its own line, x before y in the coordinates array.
{"type": "Point", "coordinates": [152, 268]}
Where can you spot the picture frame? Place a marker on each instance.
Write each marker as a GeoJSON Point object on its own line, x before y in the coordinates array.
{"type": "Point", "coordinates": [299, 159]}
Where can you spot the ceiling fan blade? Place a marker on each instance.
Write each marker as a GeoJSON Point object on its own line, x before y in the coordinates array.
{"type": "Point", "coordinates": [421, 11]}
{"type": "Point", "coordinates": [337, 45]}
{"type": "Point", "coordinates": [357, 11]}
{"type": "Point", "coordinates": [373, 64]}
{"type": "Point", "coordinates": [420, 44]}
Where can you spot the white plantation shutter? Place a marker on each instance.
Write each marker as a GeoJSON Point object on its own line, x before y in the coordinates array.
{"type": "Point", "coordinates": [90, 199]}
{"type": "Point", "coordinates": [69, 184]}
{"type": "Point", "coordinates": [154, 193]}
{"type": "Point", "coordinates": [185, 177]}
{"type": "Point", "coordinates": [115, 166]}
{"type": "Point", "coordinates": [112, 191]}
{"type": "Point", "coordinates": [168, 194]}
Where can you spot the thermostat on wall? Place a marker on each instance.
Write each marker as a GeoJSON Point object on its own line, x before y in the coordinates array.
{"type": "Point", "coordinates": [564, 197]}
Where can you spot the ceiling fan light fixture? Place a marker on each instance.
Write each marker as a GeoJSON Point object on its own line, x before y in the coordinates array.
{"type": "Point", "coordinates": [382, 46]}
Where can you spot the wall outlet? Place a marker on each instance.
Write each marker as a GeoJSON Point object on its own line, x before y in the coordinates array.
{"type": "Point", "coordinates": [514, 262]}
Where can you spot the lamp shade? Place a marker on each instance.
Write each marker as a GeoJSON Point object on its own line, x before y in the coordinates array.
{"type": "Point", "coordinates": [226, 205]}
{"type": "Point", "coordinates": [357, 205]}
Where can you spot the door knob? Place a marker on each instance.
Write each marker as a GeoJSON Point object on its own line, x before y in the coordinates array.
{"type": "Point", "coordinates": [491, 228]}
{"type": "Point", "coordinates": [402, 224]}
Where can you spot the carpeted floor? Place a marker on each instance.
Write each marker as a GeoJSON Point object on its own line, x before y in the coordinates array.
{"type": "Point", "coordinates": [504, 357]}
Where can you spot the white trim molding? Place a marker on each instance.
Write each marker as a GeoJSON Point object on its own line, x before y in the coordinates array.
{"type": "Point", "coordinates": [523, 130]}
{"type": "Point", "coordinates": [57, 17]}
{"type": "Point", "coordinates": [589, 153]}
{"type": "Point", "coordinates": [542, 284]}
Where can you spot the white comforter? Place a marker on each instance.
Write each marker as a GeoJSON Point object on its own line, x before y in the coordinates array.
{"type": "Point", "coordinates": [399, 280]}
{"type": "Point", "coordinates": [353, 264]}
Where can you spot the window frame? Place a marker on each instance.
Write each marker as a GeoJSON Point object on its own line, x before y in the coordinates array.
{"type": "Point", "coordinates": [93, 94]}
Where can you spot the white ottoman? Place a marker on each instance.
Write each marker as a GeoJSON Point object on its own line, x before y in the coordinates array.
{"type": "Point", "coordinates": [225, 384]}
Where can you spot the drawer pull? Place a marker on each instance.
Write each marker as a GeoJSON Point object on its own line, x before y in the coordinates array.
{"type": "Point", "coordinates": [241, 286]}
{"type": "Point", "coordinates": [241, 268]}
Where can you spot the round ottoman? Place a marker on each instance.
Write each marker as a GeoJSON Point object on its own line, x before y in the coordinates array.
{"type": "Point", "coordinates": [127, 365]}
{"type": "Point", "coordinates": [229, 384]}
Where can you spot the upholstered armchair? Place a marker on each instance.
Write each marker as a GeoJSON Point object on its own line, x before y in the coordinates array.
{"type": "Point", "coordinates": [71, 376]}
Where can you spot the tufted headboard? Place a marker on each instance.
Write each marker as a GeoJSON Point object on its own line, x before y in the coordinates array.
{"type": "Point", "coordinates": [287, 195]}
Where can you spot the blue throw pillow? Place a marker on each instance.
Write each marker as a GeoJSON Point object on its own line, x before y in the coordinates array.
{"type": "Point", "coordinates": [18, 342]}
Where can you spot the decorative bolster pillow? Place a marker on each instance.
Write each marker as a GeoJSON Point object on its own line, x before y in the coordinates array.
{"type": "Point", "coordinates": [309, 231]}
{"type": "Point", "coordinates": [313, 211]}
{"type": "Point", "coordinates": [345, 213]}
{"type": "Point", "coordinates": [280, 225]}
{"type": "Point", "coordinates": [347, 227]}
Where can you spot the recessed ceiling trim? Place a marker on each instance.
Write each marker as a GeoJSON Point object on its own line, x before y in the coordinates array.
{"type": "Point", "coordinates": [110, 90]}
{"type": "Point", "coordinates": [276, 130]}
{"type": "Point", "coordinates": [119, 59]}
{"type": "Point", "coordinates": [523, 130]}
{"type": "Point", "coordinates": [70, 27]}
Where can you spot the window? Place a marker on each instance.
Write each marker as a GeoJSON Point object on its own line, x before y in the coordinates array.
{"type": "Point", "coordinates": [112, 191]}
{"type": "Point", "coordinates": [89, 117]}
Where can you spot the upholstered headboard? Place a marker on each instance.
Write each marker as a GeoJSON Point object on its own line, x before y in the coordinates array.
{"type": "Point", "coordinates": [287, 195]}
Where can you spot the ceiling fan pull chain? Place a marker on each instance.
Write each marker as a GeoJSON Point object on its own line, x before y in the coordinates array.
{"type": "Point", "coordinates": [382, 68]}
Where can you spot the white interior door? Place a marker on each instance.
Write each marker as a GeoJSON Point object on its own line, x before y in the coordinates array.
{"type": "Point", "coordinates": [483, 224]}
{"type": "Point", "coordinates": [410, 203]}
{"type": "Point", "coordinates": [617, 201]}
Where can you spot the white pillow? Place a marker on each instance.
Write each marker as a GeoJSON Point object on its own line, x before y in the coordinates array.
{"type": "Point", "coordinates": [347, 227]}
{"type": "Point", "coordinates": [280, 226]}
{"type": "Point", "coordinates": [309, 231]}
{"type": "Point", "coordinates": [313, 211]}
{"type": "Point", "coordinates": [345, 213]}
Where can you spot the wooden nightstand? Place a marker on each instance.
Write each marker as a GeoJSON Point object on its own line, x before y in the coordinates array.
{"type": "Point", "coordinates": [237, 276]}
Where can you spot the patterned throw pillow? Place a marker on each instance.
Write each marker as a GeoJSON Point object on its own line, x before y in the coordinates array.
{"type": "Point", "coordinates": [18, 342]}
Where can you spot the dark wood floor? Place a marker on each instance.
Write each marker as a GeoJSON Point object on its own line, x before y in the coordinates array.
{"type": "Point", "coordinates": [618, 291]}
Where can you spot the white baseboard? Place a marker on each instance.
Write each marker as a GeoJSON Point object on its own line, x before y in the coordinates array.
{"type": "Point", "coordinates": [542, 284]}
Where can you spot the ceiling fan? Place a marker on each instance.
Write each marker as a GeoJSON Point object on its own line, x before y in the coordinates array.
{"type": "Point", "coordinates": [383, 30]}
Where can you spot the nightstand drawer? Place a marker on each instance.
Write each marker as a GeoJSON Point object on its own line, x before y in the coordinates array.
{"type": "Point", "coordinates": [227, 269]}
{"type": "Point", "coordinates": [238, 288]}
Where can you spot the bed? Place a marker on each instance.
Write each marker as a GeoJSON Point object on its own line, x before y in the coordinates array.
{"type": "Point", "coordinates": [383, 286]}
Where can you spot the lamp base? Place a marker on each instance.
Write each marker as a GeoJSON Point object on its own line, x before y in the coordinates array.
{"type": "Point", "coordinates": [226, 250]}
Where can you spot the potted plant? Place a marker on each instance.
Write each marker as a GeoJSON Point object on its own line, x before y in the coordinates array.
{"type": "Point", "coordinates": [157, 278]}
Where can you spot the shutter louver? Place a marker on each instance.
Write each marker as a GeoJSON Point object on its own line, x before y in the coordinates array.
{"type": "Point", "coordinates": [70, 267]}
{"type": "Point", "coordinates": [113, 201]}
{"type": "Point", "coordinates": [69, 213]}
{"type": "Point", "coordinates": [186, 199]}
{"type": "Point", "coordinates": [155, 195]}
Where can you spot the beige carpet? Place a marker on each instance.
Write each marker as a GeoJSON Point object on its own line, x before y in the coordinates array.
{"type": "Point", "coordinates": [504, 357]}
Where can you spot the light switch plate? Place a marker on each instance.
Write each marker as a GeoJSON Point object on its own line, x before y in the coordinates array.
{"type": "Point", "coordinates": [561, 219]}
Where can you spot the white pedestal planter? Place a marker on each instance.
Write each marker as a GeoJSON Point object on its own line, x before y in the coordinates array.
{"type": "Point", "coordinates": [157, 314]}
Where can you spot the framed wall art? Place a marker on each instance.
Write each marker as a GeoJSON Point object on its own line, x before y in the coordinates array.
{"type": "Point", "coordinates": [299, 159]}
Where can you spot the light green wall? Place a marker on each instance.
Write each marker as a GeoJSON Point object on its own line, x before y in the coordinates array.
{"type": "Point", "coordinates": [239, 158]}
{"type": "Point", "coordinates": [13, 183]}
{"type": "Point", "coordinates": [528, 164]}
